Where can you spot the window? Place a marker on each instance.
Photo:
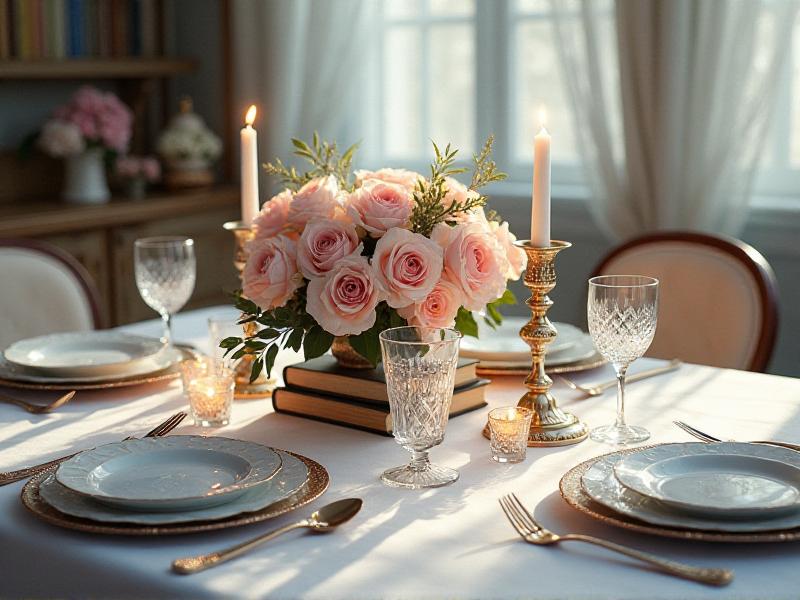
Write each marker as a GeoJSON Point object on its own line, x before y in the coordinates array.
{"type": "Point", "coordinates": [458, 70]}
{"type": "Point", "coordinates": [780, 165]}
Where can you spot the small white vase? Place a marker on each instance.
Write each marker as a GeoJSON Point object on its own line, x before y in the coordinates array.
{"type": "Point", "coordinates": [85, 179]}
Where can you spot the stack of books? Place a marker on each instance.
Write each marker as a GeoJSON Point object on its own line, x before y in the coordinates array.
{"type": "Point", "coordinates": [321, 389]}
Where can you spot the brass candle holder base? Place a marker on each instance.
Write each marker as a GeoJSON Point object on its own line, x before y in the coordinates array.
{"type": "Point", "coordinates": [550, 426]}
{"type": "Point", "coordinates": [261, 387]}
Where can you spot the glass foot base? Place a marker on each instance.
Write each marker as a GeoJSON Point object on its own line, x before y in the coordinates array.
{"type": "Point", "coordinates": [619, 436]}
{"type": "Point", "coordinates": [406, 477]}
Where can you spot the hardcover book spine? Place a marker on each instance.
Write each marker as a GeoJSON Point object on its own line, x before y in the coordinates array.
{"type": "Point", "coordinates": [5, 30]}
{"type": "Point", "coordinates": [148, 27]}
{"type": "Point", "coordinates": [75, 10]}
{"type": "Point", "coordinates": [35, 24]}
{"type": "Point", "coordinates": [22, 31]}
{"type": "Point", "coordinates": [58, 33]}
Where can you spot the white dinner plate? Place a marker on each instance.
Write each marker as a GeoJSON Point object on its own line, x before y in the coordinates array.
{"type": "Point", "coordinates": [82, 354]}
{"type": "Point", "coordinates": [729, 479]}
{"type": "Point", "coordinates": [504, 343]}
{"type": "Point", "coordinates": [582, 349]}
{"type": "Point", "coordinates": [175, 473]}
{"type": "Point", "coordinates": [600, 484]}
{"type": "Point", "coordinates": [153, 364]}
{"type": "Point", "coordinates": [289, 480]}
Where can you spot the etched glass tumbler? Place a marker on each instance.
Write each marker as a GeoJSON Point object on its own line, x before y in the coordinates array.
{"type": "Point", "coordinates": [622, 313]}
{"type": "Point", "coordinates": [165, 275]}
{"type": "Point", "coordinates": [420, 366]}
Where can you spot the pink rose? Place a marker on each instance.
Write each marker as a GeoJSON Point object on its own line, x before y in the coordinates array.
{"type": "Point", "coordinates": [437, 309]}
{"type": "Point", "coordinates": [517, 259]}
{"type": "Point", "coordinates": [408, 265]}
{"type": "Point", "coordinates": [379, 206]}
{"type": "Point", "coordinates": [474, 260]}
{"type": "Point", "coordinates": [151, 168]}
{"type": "Point", "coordinates": [274, 215]}
{"type": "Point", "coordinates": [343, 301]}
{"type": "Point", "coordinates": [316, 199]}
{"type": "Point", "coordinates": [457, 192]}
{"type": "Point", "coordinates": [323, 244]}
{"type": "Point", "coordinates": [270, 275]}
{"type": "Point", "coordinates": [408, 179]}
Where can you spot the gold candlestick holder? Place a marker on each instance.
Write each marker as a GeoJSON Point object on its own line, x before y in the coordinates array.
{"type": "Point", "coordinates": [262, 387]}
{"type": "Point", "coordinates": [550, 426]}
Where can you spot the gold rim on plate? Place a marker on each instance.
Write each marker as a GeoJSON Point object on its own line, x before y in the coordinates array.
{"type": "Point", "coordinates": [573, 494]}
{"type": "Point", "coordinates": [168, 374]}
{"type": "Point", "coordinates": [318, 480]}
{"type": "Point", "coordinates": [582, 365]}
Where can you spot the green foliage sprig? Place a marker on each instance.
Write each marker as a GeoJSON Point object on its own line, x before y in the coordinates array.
{"type": "Point", "coordinates": [325, 159]}
{"type": "Point", "coordinates": [430, 208]}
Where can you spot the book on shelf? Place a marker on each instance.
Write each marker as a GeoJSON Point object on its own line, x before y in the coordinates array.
{"type": "Point", "coordinates": [324, 374]}
{"type": "Point", "coordinates": [52, 29]}
{"type": "Point", "coordinates": [365, 415]}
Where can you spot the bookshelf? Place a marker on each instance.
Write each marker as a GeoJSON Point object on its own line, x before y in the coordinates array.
{"type": "Point", "coordinates": [94, 68]}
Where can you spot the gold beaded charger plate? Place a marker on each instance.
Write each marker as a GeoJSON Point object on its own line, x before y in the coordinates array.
{"type": "Point", "coordinates": [318, 481]}
{"type": "Point", "coordinates": [169, 373]}
{"type": "Point", "coordinates": [573, 494]}
{"type": "Point", "coordinates": [592, 362]}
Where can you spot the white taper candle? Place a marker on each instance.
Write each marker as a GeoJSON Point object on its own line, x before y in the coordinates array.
{"type": "Point", "coordinates": [250, 204]}
{"type": "Point", "coordinates": [540, 209]}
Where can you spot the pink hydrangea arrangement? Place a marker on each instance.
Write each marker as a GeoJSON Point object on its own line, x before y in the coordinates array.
{"type": "Point", "coordinates": [138, 167]}
{"type": "Point", "coordinates": [351, 254]}
{"type": "Point", "coordinates": [92, 118]}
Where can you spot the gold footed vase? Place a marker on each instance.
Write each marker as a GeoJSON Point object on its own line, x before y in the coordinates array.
{"type": "Point", "coordinates": [261, 387]}
{"type": "Point", "coordinates": [550, 426]}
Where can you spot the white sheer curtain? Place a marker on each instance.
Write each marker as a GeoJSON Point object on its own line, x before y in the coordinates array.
{"type": "Point", "coordinates": [301, 62]}
{"type": "Point", "coordinates": [671, 124]}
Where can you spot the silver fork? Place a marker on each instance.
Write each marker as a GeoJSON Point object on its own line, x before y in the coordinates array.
{"type": "Point", "coordinates": [705, 437]}
{"type": "Point", "coordinates": [533, 533]}
{"type": "Point", "coordinates": [596, 390]}
{"type": "Point", "coordinates": [161, 430]}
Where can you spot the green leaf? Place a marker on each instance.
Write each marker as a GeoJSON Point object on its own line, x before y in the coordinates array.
{"type": "Point", "coordinates": [295, 340]}
{"type": "Point", "coordinates": [256, 369]}
{"type": "Point", "coordinates": [269, 358]}
{"type": "Point", "coordinates": [247, 306]}
{"type": "Point", "coordinates": [238, 354]}
{"type": "Point", "coordinates": [395, 320]}
{"type": "Point", "coordinates": [316, 342]}
{"type": "Point", "coordinates": [465, 322]}
{"type": "Point", "coordinates": [268, 333]}
{"type": "Point", "coordinates": [254, 345]}
{"type": "Point", "coordinates": [230, 342]}
{"type": "Point", "coordinates": [368, 345]}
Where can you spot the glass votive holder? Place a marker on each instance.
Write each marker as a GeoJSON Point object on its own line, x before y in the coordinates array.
{"type": "Point", "coordinates": [194, 368]}
{"type": "Point", "coordinates": [211, 397]}
{"type": "Point", "coordinates": [509, 427]}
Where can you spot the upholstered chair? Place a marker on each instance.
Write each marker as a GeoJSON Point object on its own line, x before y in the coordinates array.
{"type": "Point", "coordinates": [717, 300]}
{"type": "Point", "coordinates": [43, 290]}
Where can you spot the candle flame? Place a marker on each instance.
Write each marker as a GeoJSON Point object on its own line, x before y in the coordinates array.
{"type": "Point", "coordinates": [542, 117]}
{"type": "Point", "coordinates": [251, 115]}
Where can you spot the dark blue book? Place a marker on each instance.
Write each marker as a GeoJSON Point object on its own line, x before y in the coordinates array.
{"type": "Point", "coordinates": [75, 27]}
{"type": "Point", "coordinates": [135, 28]}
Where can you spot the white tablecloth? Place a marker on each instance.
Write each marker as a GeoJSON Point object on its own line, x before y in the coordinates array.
{"type": "Point", "coordinates": [451, 542]}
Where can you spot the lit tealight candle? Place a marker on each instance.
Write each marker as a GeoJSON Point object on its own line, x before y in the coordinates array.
{"type": "Point", "coordinates": [509, 427]}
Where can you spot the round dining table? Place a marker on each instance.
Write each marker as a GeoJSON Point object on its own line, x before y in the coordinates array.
{"type": "Point", "coordinates": [450, 542]}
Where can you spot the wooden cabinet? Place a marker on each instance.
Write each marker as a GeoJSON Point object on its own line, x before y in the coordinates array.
{"type": "Point", "coordinates": [101, 238]}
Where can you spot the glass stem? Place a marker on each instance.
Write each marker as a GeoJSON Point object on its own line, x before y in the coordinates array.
{"type": "Point", "coordinates": [420, 461]}
{"type": "Point", "coordinates": [167, 338]}
{"type": "Point", "coordinates": [621, 370]}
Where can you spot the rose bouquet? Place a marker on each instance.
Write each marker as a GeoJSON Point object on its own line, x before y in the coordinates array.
{"type": "Point", "coordinates": [351, 254]}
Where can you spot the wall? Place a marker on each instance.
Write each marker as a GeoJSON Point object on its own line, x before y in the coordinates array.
{"type": "Point", "coordinates": [772, 229]}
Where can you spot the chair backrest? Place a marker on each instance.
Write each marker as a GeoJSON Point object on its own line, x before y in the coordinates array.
{"type": "Point", "coordinates": [718, 299]}
{"type": "Point", "coordinates": [43, 290]}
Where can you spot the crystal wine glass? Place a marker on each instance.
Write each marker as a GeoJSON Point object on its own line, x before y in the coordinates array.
{"type": "Point", "coordinates": [420, 366]}
{"type": "Point", "coordinates": [622, 311]}
{"type": "Point", "coordinates": [165, 275]}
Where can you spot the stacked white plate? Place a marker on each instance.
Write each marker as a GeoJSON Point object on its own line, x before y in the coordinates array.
{"type": "Point", "coordinates": [503, 348]}
{"type": "Point", "coordinates": [85, 357]}
{"type": "Point", "coordinates": [176, 479]}
{"type": "Point", "coordinates": [729, 486]}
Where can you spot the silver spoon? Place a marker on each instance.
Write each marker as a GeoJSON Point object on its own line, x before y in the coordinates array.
{"type": "Point", "coordinates": [38, 409]}
{"type": "Point", "coordinates": [325, 519]}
